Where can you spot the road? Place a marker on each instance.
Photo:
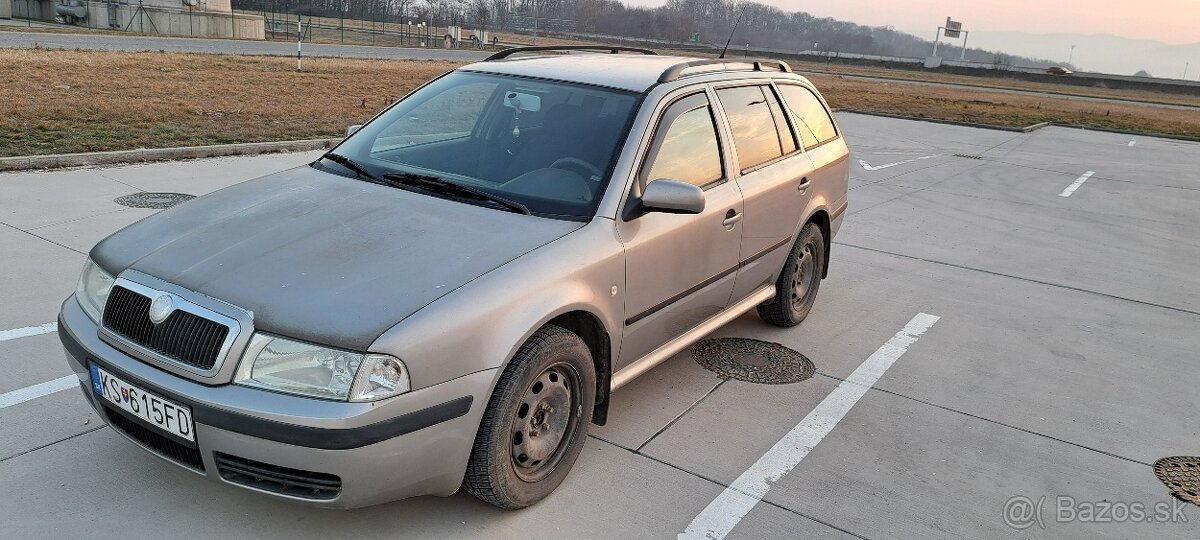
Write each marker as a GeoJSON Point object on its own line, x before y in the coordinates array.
{"type": "Point", "coordinates": [984, 337]}
{"type": "Point", "coordinates": [101, 42]}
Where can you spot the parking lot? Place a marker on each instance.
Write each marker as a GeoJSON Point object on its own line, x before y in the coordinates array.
{"type": "Point", "coordinates": [1007, 316]}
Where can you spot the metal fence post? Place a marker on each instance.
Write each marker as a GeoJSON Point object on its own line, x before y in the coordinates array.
{"type": "Point", "coordinates": [299, 33]}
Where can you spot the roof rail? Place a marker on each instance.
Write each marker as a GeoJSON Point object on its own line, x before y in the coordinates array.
{"type": "Point", "coordinates": [612, 49]}
{"type": "Point", "coordinates": [674, 72]}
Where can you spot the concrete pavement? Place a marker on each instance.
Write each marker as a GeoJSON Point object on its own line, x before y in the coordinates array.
{"type": "Point", "coordinates": [1062, 366]}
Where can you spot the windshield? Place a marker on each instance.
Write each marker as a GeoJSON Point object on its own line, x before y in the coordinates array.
{"type": "Point", "coordinates": [546, 145]}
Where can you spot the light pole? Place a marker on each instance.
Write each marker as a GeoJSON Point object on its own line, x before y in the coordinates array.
{"type": "Point", "coordinates": [1072, 55]}
{"type": "Point", "coordinates": [1185, 68]}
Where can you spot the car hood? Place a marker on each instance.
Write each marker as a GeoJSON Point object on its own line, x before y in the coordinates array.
{"type": "Point", "coordinates": [321, 257]}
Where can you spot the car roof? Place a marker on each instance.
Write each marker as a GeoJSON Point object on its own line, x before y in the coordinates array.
{"type": "Point", "coordinates": [633, 72]}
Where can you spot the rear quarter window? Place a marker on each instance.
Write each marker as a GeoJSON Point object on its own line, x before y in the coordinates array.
{"type": "Point", "coordinates": [812, 120]}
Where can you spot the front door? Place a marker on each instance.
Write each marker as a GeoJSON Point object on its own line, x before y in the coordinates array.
{"type": "Point", "coordinates": [680, 268]}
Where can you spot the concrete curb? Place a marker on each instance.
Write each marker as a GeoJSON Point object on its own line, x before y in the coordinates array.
{"type": "Point", "coordinates": [940, 121]}
{"type": "Point", "coordinates": [1026, 129]}
{"type": "Point", "coordinates": [1026, 91]}
{"type": "Point", "coordinates": [1127, 132]}
{"type": "Point", "coordinates": [89, 159]}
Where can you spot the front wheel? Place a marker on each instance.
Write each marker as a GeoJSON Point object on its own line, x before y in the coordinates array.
{"type": "Point", "coordinates": [536, 421]}
{"type": "Point", "coordinates": [796, 288]}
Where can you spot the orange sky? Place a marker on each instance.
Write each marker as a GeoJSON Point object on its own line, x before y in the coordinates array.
{"type": "Point", "coordinates": [1170, 21]}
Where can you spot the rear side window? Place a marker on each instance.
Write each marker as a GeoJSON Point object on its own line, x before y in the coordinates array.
{"type": "Point", "coordinates": [685, 147]}
{"type": "Point", "coordinates": [808, 112]}
{"type": "Point", "coordinates": [752, 124]}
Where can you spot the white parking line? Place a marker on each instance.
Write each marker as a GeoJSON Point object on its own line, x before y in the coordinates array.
{"type": "Point", "coordinates": [27, 331]}
{"type": "Point", "coordinates": [870, 167]}
{"type": "Point", "coordinates": [1075, 185]}
{"type": "Point", "coordinates": [8, 399]}
{"type": "Point", "coordinates": [724, 513]}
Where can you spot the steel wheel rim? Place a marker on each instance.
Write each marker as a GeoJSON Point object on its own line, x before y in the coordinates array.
{"type": "Point", "coordinates": [802, 274]}
{"type": "Point", "coordinates": [545, 422]}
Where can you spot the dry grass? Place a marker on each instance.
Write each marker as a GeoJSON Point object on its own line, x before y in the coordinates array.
{"type": "Point", "coordinates": [73, 101]}
{"type": "Point", "coordinates": [1002, 109]}
{"type": "Point", "coordinates": [359, 32]}
{"type": "Point", "coordinates": [996, 82]}
{"type": "Point", "coordinates": [70, 101]}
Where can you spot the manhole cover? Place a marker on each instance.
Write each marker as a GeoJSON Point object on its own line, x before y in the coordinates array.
{"type": "Point", "coordinates": [1181, 474]}
{"type": "Point", "coordinates": [752, 360]}
{"type": "Point", "coordinates": [153, 200]}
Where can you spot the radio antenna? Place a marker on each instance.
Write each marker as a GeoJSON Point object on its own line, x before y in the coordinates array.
{"type": "Point", "coordinates": [735, 26]}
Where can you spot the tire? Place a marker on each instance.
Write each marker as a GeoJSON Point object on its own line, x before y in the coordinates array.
{"type": "Point", "coordinates": [796, 288]}
{"type": "Point", "coordinates": [536, 421]}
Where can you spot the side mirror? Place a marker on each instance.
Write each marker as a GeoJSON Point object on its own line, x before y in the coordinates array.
{"type": "Point", "coordinates": [672, 197]}
{"type": "Point", "coordinates": [350, 130]}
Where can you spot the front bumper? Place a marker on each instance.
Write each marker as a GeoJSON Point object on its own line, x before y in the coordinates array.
{"type": "Point", "coordinates": [410, 445]}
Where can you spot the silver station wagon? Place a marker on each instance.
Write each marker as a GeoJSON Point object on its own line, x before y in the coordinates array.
{"type": "Point", "coordinates": [450, 296]}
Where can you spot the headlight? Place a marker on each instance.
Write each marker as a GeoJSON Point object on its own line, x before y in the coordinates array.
{"type": "Point", "coordinates": [295, 367]}
{"type": "Point", "coordinates": [93, 288]}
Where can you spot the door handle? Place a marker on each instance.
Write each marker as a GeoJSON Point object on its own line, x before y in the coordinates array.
{"type": "Point", "coordinates": [732, 217]}
{"type": "Point", "coordinates": [804, 183]}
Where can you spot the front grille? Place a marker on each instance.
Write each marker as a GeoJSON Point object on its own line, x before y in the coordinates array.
{"type": "Point", "coordinates": [184, 337]}
{"type": "Point", "coordinates": [276, 479]}
{"type": "Point", "coordinates": [162, 444]}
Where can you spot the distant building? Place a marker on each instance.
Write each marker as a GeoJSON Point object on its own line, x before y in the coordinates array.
{"type": "Point", "coordinates": [200, 18]}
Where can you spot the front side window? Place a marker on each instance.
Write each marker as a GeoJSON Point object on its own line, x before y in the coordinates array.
{"type": "Point", "coordinates": [546, 145]}
{"type": "Point", "coordinates": [753, 126]}
{"type": "Point", "coordinates": [808, 112]}
{"type": "Point", "coordinates": [686, 146]}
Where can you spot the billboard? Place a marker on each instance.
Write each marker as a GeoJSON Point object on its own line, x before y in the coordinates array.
{"type": "Point", "coordinates": [953, 28]}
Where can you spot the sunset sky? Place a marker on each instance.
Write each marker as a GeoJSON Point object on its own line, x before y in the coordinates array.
{"type": "Point", "coordinates": [1170, 21]}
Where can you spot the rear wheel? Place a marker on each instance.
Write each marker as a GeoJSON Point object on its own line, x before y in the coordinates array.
{"type": "Point", "coordinates": [796, 288]}
{"type": "Point", "coordinates": [536, 421]}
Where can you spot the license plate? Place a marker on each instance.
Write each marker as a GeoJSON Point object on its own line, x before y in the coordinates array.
{"type": "Point", "coordinates": [168, 416]}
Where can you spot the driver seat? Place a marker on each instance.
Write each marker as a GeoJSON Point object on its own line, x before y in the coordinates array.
{"type": "Point", "coordinates": [568, 131]}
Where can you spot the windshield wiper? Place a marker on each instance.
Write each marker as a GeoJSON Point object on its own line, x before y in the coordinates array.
{"type": "Point", "coordinates": [441, 185]}
{"type": "Point", "coordinates": [350, 164]}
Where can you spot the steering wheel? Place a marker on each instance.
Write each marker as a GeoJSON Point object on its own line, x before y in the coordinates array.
{"type": "Point", "coordinates": [578, 166]}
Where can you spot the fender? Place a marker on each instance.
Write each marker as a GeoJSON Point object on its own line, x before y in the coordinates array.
{"type": "Point", "coordinates": [481, 325]}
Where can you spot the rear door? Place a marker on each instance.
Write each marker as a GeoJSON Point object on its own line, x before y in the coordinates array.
{"type": "Point", "coordinates": [824, 145]}
{"type": "Point", "coordinates": [773, 175]}
{"type": "Point", "coordinates": [680, 268]}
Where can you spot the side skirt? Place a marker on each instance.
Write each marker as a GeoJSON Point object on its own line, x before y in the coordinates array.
{"type": "Point", "coordinates": [673, 347]}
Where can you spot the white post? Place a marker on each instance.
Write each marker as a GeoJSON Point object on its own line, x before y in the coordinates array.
{"type": "Point", "coordinates": [299, 33]}
{"type": "Point", "coordinates": [963, 56]}
{"type": "Point", "coordinates": [936, 37]}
